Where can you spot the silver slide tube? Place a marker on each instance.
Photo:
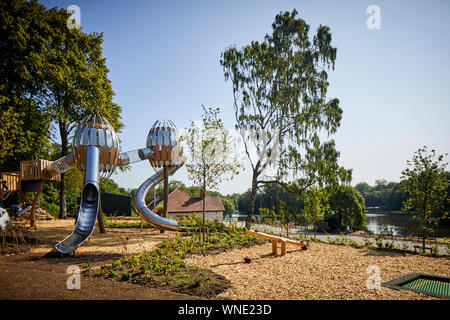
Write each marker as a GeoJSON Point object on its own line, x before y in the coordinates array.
{"type": "Point", "coordinates": [61, 165]}
{"type": "Point", "coordinates": [146, 213]}
{"type": "Point", "coordinates": [129, 157]}
{"type": "Point", "coordinates": [89, 206]}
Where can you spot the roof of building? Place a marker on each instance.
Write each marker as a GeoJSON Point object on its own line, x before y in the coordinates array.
{"type": "Point", "coordinates": [180, 201]}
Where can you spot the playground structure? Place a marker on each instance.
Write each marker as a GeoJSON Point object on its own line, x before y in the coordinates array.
{"type": "Point", "coordinates": [275, 240]}
{"type": "Point", "coordinates": [96, 152]}
{"type": "Point", "coordinates": [29, 178]}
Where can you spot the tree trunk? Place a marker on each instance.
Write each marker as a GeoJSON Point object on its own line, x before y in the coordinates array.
{"type": "Point", "coordinates": [62, 190]}
{"type": "Point", "coordinates": [203, 218]}
{"type": "Point", "coordinates": [251, 207]}
{"type": "Point", "coordinates": [62, 198]}
{"type": "Point", "coordinates": [203, 195]}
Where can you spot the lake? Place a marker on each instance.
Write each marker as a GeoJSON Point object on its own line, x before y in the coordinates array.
{"type": "Point", "coordinates": [397, 224]}
{"type": "Point", "coordinates": [379, 221]}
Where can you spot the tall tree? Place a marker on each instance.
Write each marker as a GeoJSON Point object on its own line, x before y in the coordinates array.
{"type": "Point", "coordinates": [24, 129]}
{"type": "Point", "coordinates": [279, 90]}
{"type": "Point", "coordinates": [49, 74]}
{"type": "Point", "coordinates": [425, 183]}
{"type": "Point", "coordinates": [76, 83]}
{"type": "Point", "coordinates": [212, 156]}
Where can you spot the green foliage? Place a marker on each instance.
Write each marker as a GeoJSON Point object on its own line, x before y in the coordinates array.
{"type": "Point", "coordinates": [264, 212]}
{"type": "Point", "coordinates": [167, 260]}
{"type": "Point", "coordinates": [315, 205]}
{"type": "Point", "coordinates": [271, 196]}
{"type": "Point", "coordinates": [113, 223]}
{"type": "Point", "coordinates": [279, 90]}
{"type": "Point", "coordinates": [287, 213]}
{"type": "Point", "coordinates": [211, 153]}
{"type": "Point", "coordinates": [195, 222]}
{"type": "Point", "coordinates": [229, 206]}
{"type": "Point", "coordinates": [425, 182]}
{"type": "Point", "coordinates": [50, 77]}
{"type": "Point", "coordinates": [25, 126]}
{"type": "Point", "coordinates": [346, 206]}
{"type": "Point", "coordinates": [108, 185]}
{"type": "Point", "coordinates": [385, 195]}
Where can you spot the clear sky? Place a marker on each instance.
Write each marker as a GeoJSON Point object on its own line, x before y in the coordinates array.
{"type": "Point", "coordinates": [393, 82]}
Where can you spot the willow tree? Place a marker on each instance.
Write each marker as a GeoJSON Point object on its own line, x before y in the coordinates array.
{"type": "Point", "coordinates": [280, 101]}
{"type": "Point", "coordinates": [76, 82]}
{"type": "Point", "coordinates": [212, 157]}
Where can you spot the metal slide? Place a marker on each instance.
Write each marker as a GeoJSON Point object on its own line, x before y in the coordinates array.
{"type": "Point", "coordinates": [89, 205]}
{"type": "Point", "coordinates": [146, 214]}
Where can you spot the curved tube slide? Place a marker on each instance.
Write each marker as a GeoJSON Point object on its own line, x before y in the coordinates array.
{"type": "Point", "coordinates": [146, 214]}
{"type": "Point", "coordinates": [89, 205]}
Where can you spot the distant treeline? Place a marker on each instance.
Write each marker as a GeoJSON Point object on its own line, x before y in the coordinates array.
{"type": "Point", "coordinates": [384, 195]}
{"type": "Point", "coordinates": [388, 195]}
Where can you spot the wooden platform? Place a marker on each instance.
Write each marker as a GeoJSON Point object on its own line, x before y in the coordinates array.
{"type": "Point", "coordinates": [36, 170]}
{"type": "Point", "coordinates": [29, 179]}
{"type": "Point", "coordinates": [12, 180]}
{"type": "Point", "coordinates": [275, 240]}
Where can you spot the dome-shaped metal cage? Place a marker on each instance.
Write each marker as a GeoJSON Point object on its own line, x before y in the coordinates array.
{"type": "Point", "coordinates": [163, 138]}
{"type": "Point", "coordinates": [95, 130]}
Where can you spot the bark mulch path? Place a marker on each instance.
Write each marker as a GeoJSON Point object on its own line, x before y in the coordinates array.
{"type": "Point", "coordinates": [323, 271]}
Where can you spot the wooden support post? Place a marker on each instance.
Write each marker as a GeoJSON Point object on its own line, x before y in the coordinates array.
{"type": "Point", "coordinates": [274, 247]}
{"type": "Point", "coordinates": [166, 194]}
{"type": "Point", "coordinates": [283, 247]}
{"type": "Point", "coordinates": [101, 224]}
{"type": "Point", "coordinates": [33, 204]}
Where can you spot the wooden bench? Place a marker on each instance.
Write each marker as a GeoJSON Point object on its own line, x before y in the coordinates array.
{"type": "Point", "coordinates": [275, 240]}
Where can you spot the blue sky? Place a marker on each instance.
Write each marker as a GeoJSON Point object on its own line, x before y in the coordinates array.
{"type": "Point", "coordinates": [163, 58]}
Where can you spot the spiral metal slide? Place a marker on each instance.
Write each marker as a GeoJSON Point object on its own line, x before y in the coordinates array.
{"type": "Point", "coordinates": [89, 205]}
{"type": "Point", "coordinates": [146, 214]}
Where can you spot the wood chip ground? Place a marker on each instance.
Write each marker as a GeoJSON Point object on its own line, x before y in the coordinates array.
{"type": "Point", "coordinates": [323, 271]}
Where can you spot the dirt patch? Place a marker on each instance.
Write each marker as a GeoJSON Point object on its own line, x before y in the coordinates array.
{"type": "Point", "coordinates": [31, 276]}
{"type": "Point", "coordinates": [193, 281]}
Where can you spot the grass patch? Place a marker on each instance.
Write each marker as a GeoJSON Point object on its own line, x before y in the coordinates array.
{"type": "Point", "coordinates": [114, 223]}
